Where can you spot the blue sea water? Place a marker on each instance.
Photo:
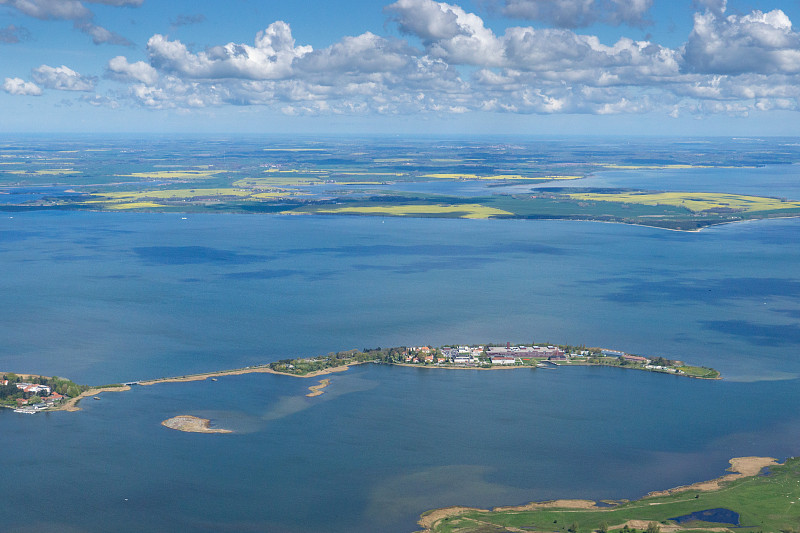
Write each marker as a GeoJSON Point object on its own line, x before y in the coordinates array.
{"type": "Point", "coordinates": [106, 297]}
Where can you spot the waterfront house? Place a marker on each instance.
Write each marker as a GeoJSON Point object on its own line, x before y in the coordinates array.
{"type": "Point", "coordinates": [503, 360]}
{"type": "Point", "coordinates": [30, 388]}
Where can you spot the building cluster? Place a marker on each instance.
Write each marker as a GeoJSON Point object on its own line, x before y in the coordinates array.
{"type": "Point", "coordinates": [509, 355]}
{"type": "Point", "coordinates": [48, 399]}
{"type": "Point", "coordinates": [473, 355]}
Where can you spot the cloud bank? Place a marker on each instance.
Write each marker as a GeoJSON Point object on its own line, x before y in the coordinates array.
{"type": "Point", "coordinates": [447, 60]}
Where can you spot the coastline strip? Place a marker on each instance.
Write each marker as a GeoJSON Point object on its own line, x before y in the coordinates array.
{"type": "Point", "coordinates": [741, 467]}
{"type": "Point", "coordinates": [248, 370]}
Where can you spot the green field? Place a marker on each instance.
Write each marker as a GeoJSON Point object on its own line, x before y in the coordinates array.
{"type": "Point", "coordinates": [764, 503]}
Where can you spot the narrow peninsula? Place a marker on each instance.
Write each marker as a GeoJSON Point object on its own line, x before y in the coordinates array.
{"type": "Point", "coordinates": [30, 394]}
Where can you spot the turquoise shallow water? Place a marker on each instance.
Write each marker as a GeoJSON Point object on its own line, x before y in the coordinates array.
{"type": "Point", "coordinates": [102, 297]}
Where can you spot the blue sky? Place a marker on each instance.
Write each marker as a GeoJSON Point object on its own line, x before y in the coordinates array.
{"type": "Point", "coordinates": [621, 67]}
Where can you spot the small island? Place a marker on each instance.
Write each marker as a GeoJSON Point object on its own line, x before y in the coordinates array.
{"type": "Point", "coordinates": [192, 424]}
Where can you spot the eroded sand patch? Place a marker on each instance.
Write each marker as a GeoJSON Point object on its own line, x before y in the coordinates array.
{"type": "Point", "coordinates": [192, 424]}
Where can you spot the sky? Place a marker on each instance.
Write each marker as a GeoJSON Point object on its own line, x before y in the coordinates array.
{"type": "Point", "coordinates": [543, 67]}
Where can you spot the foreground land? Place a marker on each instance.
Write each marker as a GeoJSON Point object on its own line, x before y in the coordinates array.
{"type": "Point", "coordinates": [744, 501]}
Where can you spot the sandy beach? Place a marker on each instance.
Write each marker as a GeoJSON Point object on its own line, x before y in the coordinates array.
{"type": "Point", "coordinates": [740, 466]}
{"type": "Point", "coordinates": [192, 424]}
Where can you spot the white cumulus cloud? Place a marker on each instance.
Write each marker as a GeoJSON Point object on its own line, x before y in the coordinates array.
{"type": "Point", "coordinates": [121, 70]}
{"type": "Point", "coordinates": [62, 78]}
{"type": "Point", "coordinates": [21, 87]}
{"type": "Point", "coordinates": [270, 58]}
{"type": "Point", "coordinates": [754, 43]}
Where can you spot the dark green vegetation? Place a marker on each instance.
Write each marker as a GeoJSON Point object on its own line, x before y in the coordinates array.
{"type": "Point", "coordinates": [764, 503]}
{"type": "Point", "coordinates": [10, 393]}
{"type": "Point", "coordinates": [367, 177]}
{"type": "Point", "coordinates": [445, 357]}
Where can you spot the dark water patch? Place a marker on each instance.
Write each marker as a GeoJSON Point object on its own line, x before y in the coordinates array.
{"type": "Point", "coordinates": [16, 236]}
{"type": "Point", "coordinates": [264, 274]}
{"type": "Point", "coordinates": [185, 255]}
{"type": "Point", "coordinates": [434, 250]}
{"type": "Point", "coordinates": [711, 291]}
{"type": "Point", "coordinates": [717, 516]}
{"type": "Point", "coordinates": [455, 263]}
{"type": "Point", "coordinates": [756, 334]}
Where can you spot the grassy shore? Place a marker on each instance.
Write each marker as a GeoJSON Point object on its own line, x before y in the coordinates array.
{"type": "Point", "coordinates": [763, 502]}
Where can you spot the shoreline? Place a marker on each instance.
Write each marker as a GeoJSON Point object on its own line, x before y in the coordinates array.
{"type": "Point", "coordinates": [741, 467]}
{"type": "Point", "coordinates": [261, 369]}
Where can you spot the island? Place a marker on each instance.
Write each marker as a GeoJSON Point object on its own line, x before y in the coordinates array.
{"type": "Point", "coordinates": [491, 356]}
{"type": "Point", "coordinates": [31, 394]}
{"type": "Point", "coordinates": [192, 424]}
{"type": "Point", "coordinates": [759, 495]}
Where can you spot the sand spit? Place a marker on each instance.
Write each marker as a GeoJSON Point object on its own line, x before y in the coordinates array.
{"type": "Point", "coordinates": [192, 424]}
{"type": "Point", "coordinates": [316, 390]}
{"type": "Point", "coordinates": [71, 405]}
{"type": "Point", "coordinates": [240, 371]}
{"type": "Point", "coordinates": [740, 467]}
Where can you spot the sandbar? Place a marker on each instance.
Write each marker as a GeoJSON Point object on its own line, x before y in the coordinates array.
{"type": "Point", "coordinates": [192, 424]}
{"type": "Point", "coordinates": [740, 466]}
{"type": "Point", "coordinates": [316, 390]}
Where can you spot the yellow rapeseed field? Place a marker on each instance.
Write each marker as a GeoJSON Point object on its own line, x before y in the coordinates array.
{"type": "Point", "coordinates": [693, 201]}
{"type": "Point", "coordinates": [172, 174]}
{"type": "Point", "coordinates": [468, 210]}
{"type": "Point", "coordinates": [134, 205]}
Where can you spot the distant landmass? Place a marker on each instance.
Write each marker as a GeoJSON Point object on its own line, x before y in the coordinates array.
{"type": "Point", "coordinates": [411, 179]}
